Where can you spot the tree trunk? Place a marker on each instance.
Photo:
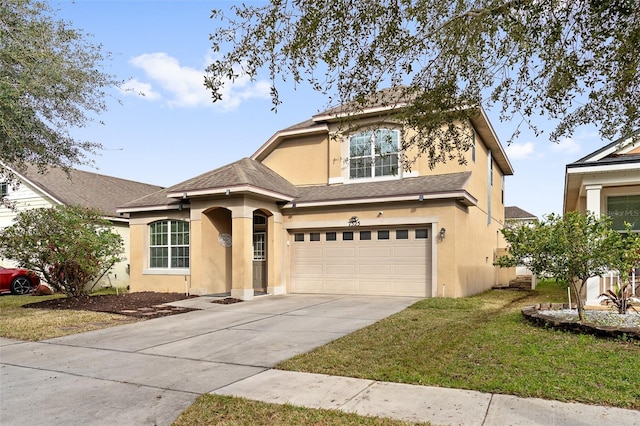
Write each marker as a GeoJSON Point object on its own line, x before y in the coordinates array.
{"type": "Point", "coordinates": [579, 303]}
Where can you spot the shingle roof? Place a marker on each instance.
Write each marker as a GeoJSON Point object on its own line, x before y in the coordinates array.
{"type": "Point", "coordinates": [243, 172]}
{"type": "Point", "coordinates": [255, 174]}
{"type": "Point", "coordinates": [513, 212]}
{"type": "Point", "coordinates": [93, 190]}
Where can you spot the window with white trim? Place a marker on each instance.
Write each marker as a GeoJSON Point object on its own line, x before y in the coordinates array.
{"type": "Point", "coordinates": [169, 244]}
{"type": "Point", "coordinates": [374, 154]}
{"type": "Point", "coordinates": [4, 189]}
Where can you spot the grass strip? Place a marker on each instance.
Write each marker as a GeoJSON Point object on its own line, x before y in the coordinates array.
{"type": "Point", "coordinates": [483, 343]}
{"type": "Point", "coordinates": [224, 410]}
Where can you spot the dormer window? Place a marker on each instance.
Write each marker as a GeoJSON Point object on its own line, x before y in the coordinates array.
{"type": "Point", "coordinates": [373, 154]}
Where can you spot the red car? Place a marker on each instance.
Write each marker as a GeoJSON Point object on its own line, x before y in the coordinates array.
{"type": "Point", "coordinates": [18, 280]}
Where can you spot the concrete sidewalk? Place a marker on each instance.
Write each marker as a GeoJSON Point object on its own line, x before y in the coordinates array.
{"type": "Point", "coordinates": [440, 406]}
{"type": "Point", "coordinates": [147, 373]}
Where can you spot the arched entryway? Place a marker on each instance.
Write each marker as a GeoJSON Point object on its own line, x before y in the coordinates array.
{"type": "Point", "coordinates": [215, 253]}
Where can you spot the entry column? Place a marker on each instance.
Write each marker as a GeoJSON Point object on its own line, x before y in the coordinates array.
{"type": "Point", "coordinates": [241, 252]}
{"type": "Point", "coordinates": [593, 204]}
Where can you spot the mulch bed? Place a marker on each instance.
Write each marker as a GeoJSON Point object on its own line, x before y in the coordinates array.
{"type": "Point", "coordinates": [227, 301]}
{"type": "Point", "coordinates": [145, 304]}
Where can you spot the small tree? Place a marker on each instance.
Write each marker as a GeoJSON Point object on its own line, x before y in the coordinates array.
{"type": "Point", "coordinates": [573, 248]}
{"type": "Point", "coordinates": [71, 247]}
{"type": "Point", "coordinates": [50, 82]}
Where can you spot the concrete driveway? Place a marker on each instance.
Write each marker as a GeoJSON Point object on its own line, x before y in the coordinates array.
{"type": "Point", "coordinates": [147, 373]}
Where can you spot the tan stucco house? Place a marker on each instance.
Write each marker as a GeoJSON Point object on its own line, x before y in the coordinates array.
{"type": "Point", "coordinates": [317, 209]}
{"type": "Point", "coordinates": [54, 186]}
{"type": "Point", "coordinates": [606, 181]}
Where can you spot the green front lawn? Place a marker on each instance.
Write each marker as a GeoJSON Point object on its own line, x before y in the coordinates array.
{"type": "Point", "coordinates": [20, 323]}
{"type": "Point", "coordinates": [483, 343]}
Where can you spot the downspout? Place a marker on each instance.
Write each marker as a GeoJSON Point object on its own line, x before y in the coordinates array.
{"type": "Point", "coordinates": [489, 185]}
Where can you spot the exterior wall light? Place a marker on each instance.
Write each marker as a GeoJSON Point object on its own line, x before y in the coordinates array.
{"type": "Point", "coordinates": [421, 197]}
{"type": "Point", "coordinates": [442, 232]}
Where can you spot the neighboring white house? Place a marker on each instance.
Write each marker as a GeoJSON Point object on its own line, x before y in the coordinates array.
{"type": "Point", "coordinates": [56, 187]}
{"type": "Point", "coordinates": [606, 181]}
{"type": "Point", "coordinates": [515, 215]}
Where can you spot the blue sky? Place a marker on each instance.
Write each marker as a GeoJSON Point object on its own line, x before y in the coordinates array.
{"type": "Point", "coordinates": [161, 48]}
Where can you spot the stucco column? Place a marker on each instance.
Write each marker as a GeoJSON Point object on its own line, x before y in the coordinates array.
{"type": "Point", "coordinates": [593, 205]}
{"type": "Point", "coordinates": [242, 253]}
{"type": "Point", "coordinates": [593, 198]}
{"type": "Point", "coordinates": [275, 284]}
{"type": "Point", "coordinates": [195, 262]}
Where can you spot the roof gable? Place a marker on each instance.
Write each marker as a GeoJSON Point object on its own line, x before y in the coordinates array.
{"type": "Point", "coordinates": [382, 105]}
{"type": "Point", "coordinates": [245, 175]}
{"type": "Point", "coordinates": [623, 149]}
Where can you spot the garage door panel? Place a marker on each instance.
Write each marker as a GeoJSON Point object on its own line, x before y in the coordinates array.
{"type": "Point", "coordinates": [311, 286]}
{"type": "Point", "coordinates": [340, 252]}
{"type": "Point", "coordinates": [340, 269]}
{"type": "Point", "coordinates": [374, 270]}
{"type": "Point", "coordinates": [309, 269]}
{"type": "Point", "coordinates": [340, 286]}
{"type": "Point", "coordinates": [374, 287]}
{"type": "Point", "coordinates": [308, 252]}
{"type": "Point", "coordinates": [409, 270]}
{"type": "Point", "coordinates": [383, 251]}
{"type": "Point", "coordinates": [409, 252]}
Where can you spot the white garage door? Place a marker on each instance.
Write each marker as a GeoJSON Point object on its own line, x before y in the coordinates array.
{"type": "Point", "coordinates": [364, 261]}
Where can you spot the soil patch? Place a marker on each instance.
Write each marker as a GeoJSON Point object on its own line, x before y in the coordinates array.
{"type": "Point", "coordinates": [227, 301]}
{"type": "Point", "coordinates": [144, 304]}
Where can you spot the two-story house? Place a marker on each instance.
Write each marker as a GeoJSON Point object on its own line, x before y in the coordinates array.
{"type": "Point", "coordinates": [318, 209]}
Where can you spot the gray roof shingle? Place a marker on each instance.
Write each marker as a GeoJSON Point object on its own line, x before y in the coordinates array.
{"type": "Point", "coordinates": [514, 212]}
{"type": "Point", "coordinates": [250, 172]}
{"type": "Point", "coordinates": [243, 172]}
{"type": "Point", "coordinates": [397, 187]}
{"type": "Point", "coordinates": [92, 190]}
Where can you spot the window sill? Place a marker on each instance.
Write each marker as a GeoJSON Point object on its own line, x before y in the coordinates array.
{"type": "Point", "coordinates": [160, 271]}
{"type": "Point", "coordinates": [373, 179]}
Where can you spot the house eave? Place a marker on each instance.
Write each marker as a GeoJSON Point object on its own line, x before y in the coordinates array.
{"type": "Point", "coordinates": [148, 208]}
{"type": "Point", "coordinates": [461, 197]}
{"type": "Point", "coordinates": [229, 190]}
{"type": "Point", "coordinates": [602, 167]}
{"type": "Point", "coordinates": [364, 112]}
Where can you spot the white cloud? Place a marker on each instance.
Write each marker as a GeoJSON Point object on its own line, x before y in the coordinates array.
{"type": "Point", "coordinates": [138, 88]}
{"type": "Point", "coordinates": [519, 151]}
{"type": "Point", "coordinates": [566, 146]}
{"type": "Point", "coordinates": [184, 86]}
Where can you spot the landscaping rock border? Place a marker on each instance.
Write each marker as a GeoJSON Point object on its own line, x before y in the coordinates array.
{"type": "Point", "coordinates": [532, 314]}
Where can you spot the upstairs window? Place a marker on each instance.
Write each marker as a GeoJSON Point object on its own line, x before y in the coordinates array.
{"type": "Point", "coordinates": [373, 154]}
{"type": "Point", "coordinates": [4, 189]}
{"type": "Point", "coordinates": [169, 244]}
{"type": "Point", "coordinates": [624, 208]}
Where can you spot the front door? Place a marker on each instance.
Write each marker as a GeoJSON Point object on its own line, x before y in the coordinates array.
{"type": "Point", "coordinates": [260, 261]}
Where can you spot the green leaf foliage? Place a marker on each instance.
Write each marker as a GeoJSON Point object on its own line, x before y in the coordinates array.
{"type": "Point", "coordinates": [571, 248]}
{"type": "Point", "coordinates": [50, 81]}
{"type": "Point", "coordinates": [71, 247]}
{"type": "Point", "coordinates": [572, 62]}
